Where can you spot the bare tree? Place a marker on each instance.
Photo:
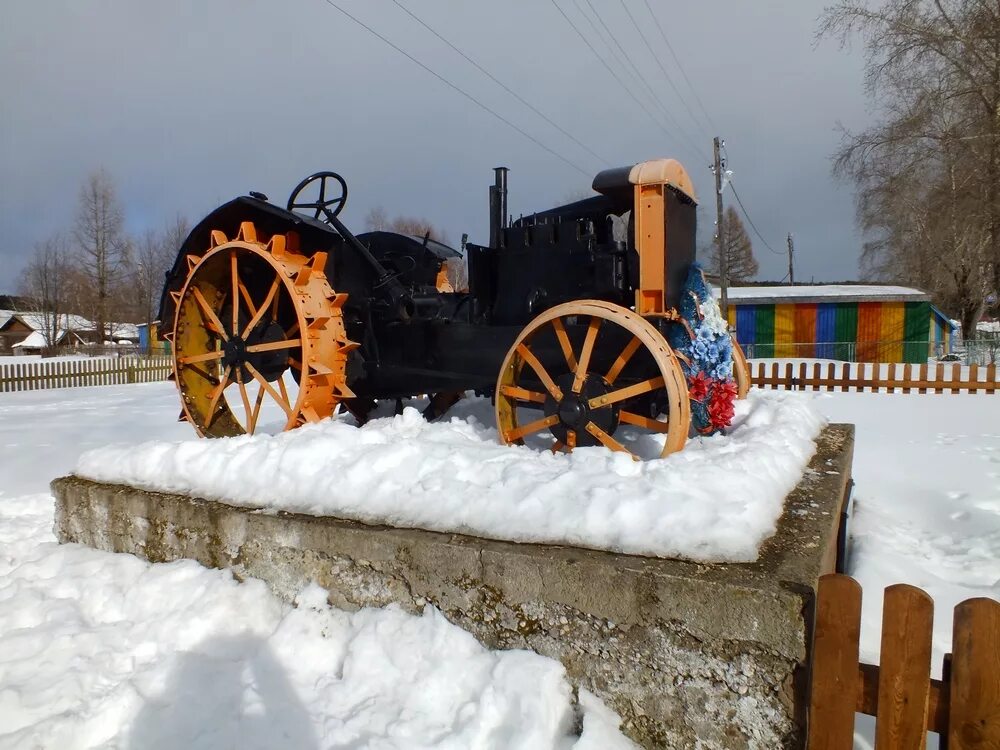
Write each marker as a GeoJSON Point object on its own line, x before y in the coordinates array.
{"type": "Point", "coordinates": [102, 247]}
{"type": "Point", "coordinates": [153, 256]}
{"type": "Point", "coordinates": [417, 227]}
{"type": "Point", "coordinates": [738, 248]}
{"type": "Point", "coordinates": [44, 285]}
{"type": "Point", "coordinates": [928, 173]}
{"type": "Point", "coordinates": [377, 220]}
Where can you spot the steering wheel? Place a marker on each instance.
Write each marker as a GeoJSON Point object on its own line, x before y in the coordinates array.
{"type": "Point", "coordinates": [322, 206]}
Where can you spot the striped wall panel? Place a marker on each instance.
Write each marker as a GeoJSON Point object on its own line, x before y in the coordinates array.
{"type": "Point", "coordinates": [845, 330]}
{"type": "Point", "coordinates": [746, 324]}
{"type": "Point", "coordinates": [916, 329]}
{"type": "Point", "coordinates": [869, 331]}
{"type": "Point", "coordinates": [764, 323]}
{"type": "Point", "coordinates": [826, 317]}
{"type": "Point", "coordinates": [891, 332]}
{"type": "Point", "coordinates": [784, 330]}
{"type": "Point", "coordinates": [805, 330]}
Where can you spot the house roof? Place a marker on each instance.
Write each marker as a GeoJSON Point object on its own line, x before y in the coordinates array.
{"type": "Point", "coordinates": [37, 322]}
{"type": "Point", "coordinates": [34, 340]}
{"type": "Point", "coordinates": [764, 295]}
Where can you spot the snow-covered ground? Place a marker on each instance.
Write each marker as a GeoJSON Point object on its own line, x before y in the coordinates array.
{"type": "Point", "coordinates": [96, 646]}
{"type": "Point", "coordinates": [103, 650]}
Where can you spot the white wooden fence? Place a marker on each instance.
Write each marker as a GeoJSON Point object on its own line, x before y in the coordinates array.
{"type": "Point", "coordinates": [72, 373]}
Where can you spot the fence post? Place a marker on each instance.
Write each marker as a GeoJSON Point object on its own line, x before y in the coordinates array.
{"type": "Point", "coordinates": [834, 678]}
{"type": "Point", "coordinates": [904, 683]}
{"type": "Point", "coordinates": [974, 721]}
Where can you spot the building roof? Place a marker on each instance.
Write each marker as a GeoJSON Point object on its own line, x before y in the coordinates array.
{"type": "Point", "coordinates": [34, 340]}
{"type": "Point", "coordinates": [37, 321]}
{"type": "Point", "coordinates": [769, 295]}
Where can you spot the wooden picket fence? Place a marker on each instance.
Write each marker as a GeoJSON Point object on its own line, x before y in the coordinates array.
{"type": "Point", "coordinates": [888, 378]}
{"type": "Point", "coordinates": [72, 373]}
{"type": "Point", "coordinates": [963, 707]}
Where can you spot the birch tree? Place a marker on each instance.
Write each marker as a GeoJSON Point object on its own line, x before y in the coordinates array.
{"type": "Point", "coordinates": [927, 172]}
{"type": "Point", "coordinates": [44, 284]}
{"type": "Point", "coordinates": [102, 248]}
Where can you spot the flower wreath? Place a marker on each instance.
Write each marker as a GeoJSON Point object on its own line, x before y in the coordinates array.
{"type": "Point", "coordinates": [705, 349]}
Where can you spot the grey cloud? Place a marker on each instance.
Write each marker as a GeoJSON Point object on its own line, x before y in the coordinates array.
{"type": "Point", "coordinates": [188, 103]}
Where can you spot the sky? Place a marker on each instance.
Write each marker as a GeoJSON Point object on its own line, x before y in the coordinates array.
{"type": "Point", "coordinates": [189, 103]}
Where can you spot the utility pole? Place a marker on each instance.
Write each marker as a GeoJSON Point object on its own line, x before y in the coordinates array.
{"type": "Point", "coordinates": [723, 260]}
{"type": "Point", "coordinates": [791, 265]}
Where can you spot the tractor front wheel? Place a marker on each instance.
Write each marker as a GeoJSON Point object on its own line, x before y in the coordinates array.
{"type": "Point", "coordinates": [591, 373]}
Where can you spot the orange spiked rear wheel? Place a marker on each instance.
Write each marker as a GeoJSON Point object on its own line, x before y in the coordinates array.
{"type": "Point", "coordinates": [584, 369]}
{"type": "Point", "coordinates": [258, 329]}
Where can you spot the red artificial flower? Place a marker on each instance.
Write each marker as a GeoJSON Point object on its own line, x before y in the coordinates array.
{"type": "Point", "coordinates": [720, 408]}
{"type": "Point", "coordinates": [698, 386]}
{"type": "Point", "coordinates": [728, 387]}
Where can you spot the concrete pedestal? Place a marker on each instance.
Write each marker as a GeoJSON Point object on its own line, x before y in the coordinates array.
{"type": "Point", "coordinates": [690, 655]}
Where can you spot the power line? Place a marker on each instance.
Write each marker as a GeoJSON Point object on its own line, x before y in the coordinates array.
{"type": "Point", "coordinates": [638, 75]}
{"type": "Point", "coordinates": [502, 85]}
{"type": "Point", "coordinates": [659, 62]}
{"type": "Point", "coordinates": [749, 220]}
{"type": "Point", "coordinates": [611, 70]}
{"type": "Point", "coordinates": [461, 91]}
{"type": "Point", "coordinates": [680, 67]}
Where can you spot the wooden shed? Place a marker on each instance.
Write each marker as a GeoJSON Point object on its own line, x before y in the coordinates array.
{"type": "Point", "coordinates": [839, 321]}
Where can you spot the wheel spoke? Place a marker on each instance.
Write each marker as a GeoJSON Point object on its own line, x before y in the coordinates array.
{"type": "Point", "coordinates": [235, 294]}
{"type": "Point", "coordinates": [606, 439]}
{"type": "Point", "coordinates": [246, 401]}
{"type": "Point", "coordinates": [293, 330]}
{"type": "Point", "coordinates": [640, 421]}
{"type": "Point", "coordinates": [283, 403]}
{"type": "Point", "coordinates": [522, 394]}
{"type": "Point", "coordinates": [539, 424]}
{"type": "Point", "coordinates": [256, 409]}
{"type": "Point", "coordinates": [206, 357]}
{"type": "Point", "coordinates": [621, 394]}
{"type": "Point", "coordinates": [623, 359]}
{"type": "Point", "coordinates": [528, 356]}
{"type": "Point", "coordinates": [216, 395]}
{"type": "Point", "coordinates": [284, 391]}
{"type": "Point", "coordinates": [292, 362]}
{"type": "Point", "coordinates": [209, 314]}
{"type": "Point", "coordinates": [213, 379]}
{"type": "Point", "coordinates": [247, 299]}
{"type": "Point", "coordinates": [271, 297]}
{"type": "Point", "coordinates": [564, 343]}
{"type": "Point", "coordinates": [585, 352]}
{"type": "Point", "coordinates": [274, 345]}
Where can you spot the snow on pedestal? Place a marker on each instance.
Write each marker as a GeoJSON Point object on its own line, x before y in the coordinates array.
{"type": "Point", "coordinates": [716, 500]}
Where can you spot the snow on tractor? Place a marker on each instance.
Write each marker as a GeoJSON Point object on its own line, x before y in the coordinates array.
{"type": "Point", "coordinates": [589, 324]}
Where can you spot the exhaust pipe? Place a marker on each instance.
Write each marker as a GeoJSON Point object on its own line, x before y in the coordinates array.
{"type": "Point", "coordinates": [498, 205]}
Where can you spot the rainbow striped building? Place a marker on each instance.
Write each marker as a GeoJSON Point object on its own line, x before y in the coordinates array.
{"type": "Point", "coordinates": [847, 322]}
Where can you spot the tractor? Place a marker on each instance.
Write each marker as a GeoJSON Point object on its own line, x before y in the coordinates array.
{"type": "Point", "coordinates": [564, 323]}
